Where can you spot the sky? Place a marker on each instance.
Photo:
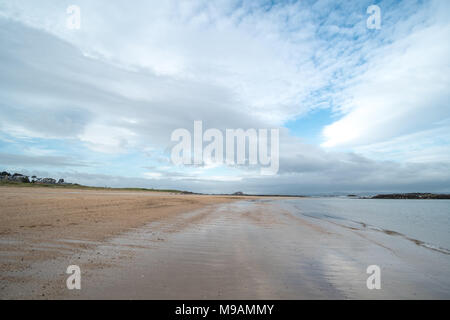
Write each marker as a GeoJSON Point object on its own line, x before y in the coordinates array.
{"type": "Point", "coordinates": [358, 109]}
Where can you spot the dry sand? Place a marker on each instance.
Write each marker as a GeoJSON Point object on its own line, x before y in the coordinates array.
{"type": "Point", "coordinates": [141, 245]}
{"type": "Point", "coordinates": [39, 224]}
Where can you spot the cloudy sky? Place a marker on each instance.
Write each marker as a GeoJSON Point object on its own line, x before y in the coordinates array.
{"type": "Point", "coordinates": [358, 109]}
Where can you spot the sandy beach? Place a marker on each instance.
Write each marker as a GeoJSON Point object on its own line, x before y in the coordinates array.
{"type": "Point", "coordinates": [145, 245]}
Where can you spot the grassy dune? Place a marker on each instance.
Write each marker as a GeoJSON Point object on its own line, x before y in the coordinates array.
{"type": "Point", "coordinates": [79, 186]}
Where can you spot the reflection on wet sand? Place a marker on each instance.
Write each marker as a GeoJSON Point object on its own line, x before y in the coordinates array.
{"type": "Point", "coordinates": [249, 250]}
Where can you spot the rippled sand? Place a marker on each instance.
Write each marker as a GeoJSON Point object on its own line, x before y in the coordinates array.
{"type": "Point", "coordinates": [220, 249]}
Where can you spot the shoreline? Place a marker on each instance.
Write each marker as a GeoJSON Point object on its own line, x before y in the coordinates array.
{"type": "Point", "coordinates": [133, 245]}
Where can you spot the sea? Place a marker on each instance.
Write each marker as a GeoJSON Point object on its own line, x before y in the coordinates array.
{"type": "Point", "coordinates": [424, 221]}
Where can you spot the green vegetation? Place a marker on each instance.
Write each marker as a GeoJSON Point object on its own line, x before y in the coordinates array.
{"type": "Point", "coordinates": [78, 186]}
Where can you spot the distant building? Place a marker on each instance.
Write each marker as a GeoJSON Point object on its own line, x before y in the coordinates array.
{"type": "Point", "coordinates": [18, 177]}
{"type": "Point", "coordinates": [48, 181]}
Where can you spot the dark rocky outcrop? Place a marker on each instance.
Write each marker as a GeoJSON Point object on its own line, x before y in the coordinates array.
{"type": "Point", "coordinates": [412, 196]}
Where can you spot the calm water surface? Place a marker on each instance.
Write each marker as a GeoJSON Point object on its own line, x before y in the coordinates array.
{"type": "Point", "coordinates": [423, 220]}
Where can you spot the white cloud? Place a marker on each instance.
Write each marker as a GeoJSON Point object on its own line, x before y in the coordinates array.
{"type": "Point", "coordinates": [245, 50]}
{"type": "Point", "coordinates": [134, 73]}
{"type": "Point", "coordinates": [153, 175]}
{"type": "Point", "coordinates": [107, 138]}
{"type": "Point", "coordinates": [426, 146]}
{"type": "Point", "coordinates": [405, 89]}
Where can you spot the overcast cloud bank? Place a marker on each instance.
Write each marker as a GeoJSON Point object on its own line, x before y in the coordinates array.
{"type": "Point", "coordinates": [98, 105]}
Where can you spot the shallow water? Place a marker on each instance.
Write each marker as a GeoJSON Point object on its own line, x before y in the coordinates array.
{"type": "Point", "coordinates": [280, 249]}
{"type": "Point", "coordinates": [426, 221]}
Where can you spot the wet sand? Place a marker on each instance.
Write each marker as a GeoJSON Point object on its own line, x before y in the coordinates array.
{"type": "Point", "coordinates": [200, 247]}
